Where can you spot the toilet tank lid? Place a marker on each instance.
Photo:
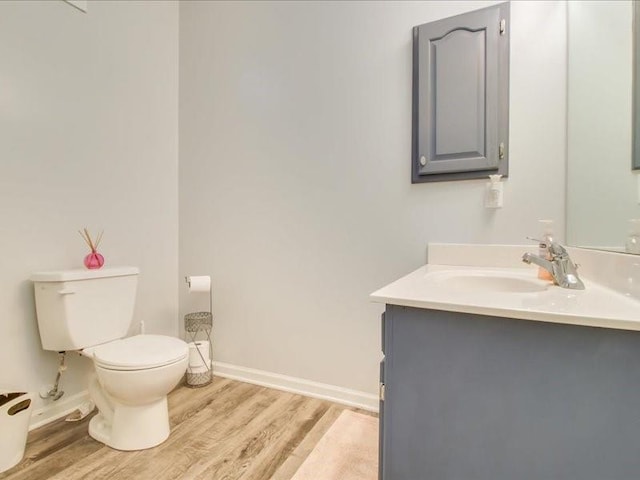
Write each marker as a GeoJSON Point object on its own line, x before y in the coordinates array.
{"type": "Point", "coordinates": [83, 274]}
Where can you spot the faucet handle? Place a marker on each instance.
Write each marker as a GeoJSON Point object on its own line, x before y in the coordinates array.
{"type": "Point", "coordinates": [537, 240]}
{"type": "Point", "coordinates": [555, 249]}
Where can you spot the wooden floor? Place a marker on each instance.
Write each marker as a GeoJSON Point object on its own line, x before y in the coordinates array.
{"type": "Point", "coordinates": [227, 430]}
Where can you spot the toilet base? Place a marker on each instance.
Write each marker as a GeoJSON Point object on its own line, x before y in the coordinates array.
{"type": "Point", "coordinates": [132, 427]}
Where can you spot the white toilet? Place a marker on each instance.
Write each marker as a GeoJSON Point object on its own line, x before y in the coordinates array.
{"type": "Point", "coordinates": [90, 311]}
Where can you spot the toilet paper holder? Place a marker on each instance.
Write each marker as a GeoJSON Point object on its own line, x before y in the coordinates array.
{"type": "Point", "coordinates": [200, 324]}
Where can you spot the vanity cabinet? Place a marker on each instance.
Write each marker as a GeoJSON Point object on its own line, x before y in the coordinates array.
{"type": "Point", "coordinates": [477, 397]}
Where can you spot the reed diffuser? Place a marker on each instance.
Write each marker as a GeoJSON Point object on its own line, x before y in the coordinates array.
{"type": "Point", "coordinates": [94, 259]}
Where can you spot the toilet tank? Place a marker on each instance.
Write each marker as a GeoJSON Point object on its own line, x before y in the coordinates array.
{"type": "Point", "coordinates": [81, 308]}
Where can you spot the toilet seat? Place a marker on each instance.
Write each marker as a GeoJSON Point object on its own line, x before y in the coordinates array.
{"type": "Point", "coordinates": [139, 352]}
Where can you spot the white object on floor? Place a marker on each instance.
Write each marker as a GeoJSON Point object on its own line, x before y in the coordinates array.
{"type": "Point", "coordinates": [15, 412]}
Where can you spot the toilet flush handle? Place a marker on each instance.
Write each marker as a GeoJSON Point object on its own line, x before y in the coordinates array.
{"type": "Point", "coordinates": [66, 291]}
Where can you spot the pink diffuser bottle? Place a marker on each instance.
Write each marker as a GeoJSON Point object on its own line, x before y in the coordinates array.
{"type": "Point", "coordinates": [94, 260]}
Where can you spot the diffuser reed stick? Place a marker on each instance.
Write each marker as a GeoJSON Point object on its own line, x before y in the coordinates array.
{"type": "Point", "coordinates": [86, 236]}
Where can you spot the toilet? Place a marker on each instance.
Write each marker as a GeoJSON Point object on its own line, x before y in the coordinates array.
{"type": "Point", "coordinates": [90, 311]}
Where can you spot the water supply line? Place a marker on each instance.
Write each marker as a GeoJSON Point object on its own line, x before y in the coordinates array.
{"type": "Point", "coordinates": [55, 393]}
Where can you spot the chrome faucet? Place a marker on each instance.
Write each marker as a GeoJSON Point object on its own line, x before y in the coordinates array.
{"type": "Point", "coordinates": [563, 270]}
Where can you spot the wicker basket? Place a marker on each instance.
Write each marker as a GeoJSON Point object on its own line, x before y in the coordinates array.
{"type": "Point", "coordinates": [199, 379]}
{"type": "Point", "coordinates": [195, 323]}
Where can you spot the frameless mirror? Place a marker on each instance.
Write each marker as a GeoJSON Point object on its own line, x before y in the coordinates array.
{"type": "Point", "coordinates": [602, 188]}
{"type": "Point", "coordinates": [636, 87]}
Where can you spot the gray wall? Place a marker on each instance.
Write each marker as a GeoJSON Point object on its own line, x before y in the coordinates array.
{"type": "Point", "coordinates": [295, 193]}
{"type": "Point", "coordinates": [88, 137]}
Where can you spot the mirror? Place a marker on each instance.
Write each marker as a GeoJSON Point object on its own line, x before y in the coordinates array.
{"type": "Point", "coordinates": [603, 191]}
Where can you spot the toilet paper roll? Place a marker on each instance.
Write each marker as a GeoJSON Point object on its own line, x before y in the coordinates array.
{"type": "Point", "coordinates": [200, 283]}
{"type": "Point", "coordinates": [196, 357]}
{"type": "Point", "coordinates": [198, 370]}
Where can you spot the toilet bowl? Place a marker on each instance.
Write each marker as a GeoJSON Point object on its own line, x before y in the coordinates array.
{"type": "Point", "coordinates": [132, 379]}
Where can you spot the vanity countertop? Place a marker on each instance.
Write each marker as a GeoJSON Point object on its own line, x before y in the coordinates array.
{"type": "Point", "coordinates": [512, 292]}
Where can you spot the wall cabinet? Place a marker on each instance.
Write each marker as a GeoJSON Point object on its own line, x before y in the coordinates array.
{"type": "Point", "coordinates": [461, 96]}
{"type": "Point", "coordinates": [490, 398]}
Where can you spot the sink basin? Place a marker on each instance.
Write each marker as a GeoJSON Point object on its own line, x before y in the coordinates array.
{"type": "Point", "coordinates": [471, 281]}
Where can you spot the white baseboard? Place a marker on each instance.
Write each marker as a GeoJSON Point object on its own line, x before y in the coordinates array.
{"type": "Point", "coordinates": [345, 396]}
{"type": "Point", "coordinates": [332, 393]}
{"type": "Point", "coordinates": [56, 410]}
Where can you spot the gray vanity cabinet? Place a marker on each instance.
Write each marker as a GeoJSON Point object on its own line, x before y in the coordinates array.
{"type": "Point", "coordinates": [473, 397]}
{"type": "Point", "coordinates": [461, 95]}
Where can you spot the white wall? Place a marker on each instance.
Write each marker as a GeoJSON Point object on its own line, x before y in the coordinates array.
{"type": "Point", "coordinates": [602, 192]}
{"type": "Point", "coordinates": [295, 193]}
{"type": "Point", "coordinates": [88, 137]}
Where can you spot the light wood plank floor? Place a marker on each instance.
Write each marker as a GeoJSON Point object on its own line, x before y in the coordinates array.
{"type": "Point", "coordinates": [227, 430]}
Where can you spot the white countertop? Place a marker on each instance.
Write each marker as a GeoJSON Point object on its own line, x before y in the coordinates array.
{"type": "Point", "coordinates": [429, 287]}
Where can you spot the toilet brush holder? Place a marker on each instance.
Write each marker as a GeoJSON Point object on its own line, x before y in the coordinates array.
{"type": "Point", "coordinates": [199, 324]}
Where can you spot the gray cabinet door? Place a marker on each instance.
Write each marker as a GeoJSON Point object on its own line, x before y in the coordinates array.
{"type": "Point", "coordinates": [474, 397]}
{"type": "Point", "coordinates": [461, 76]}
{"type": "Point", "coordinates": [381, 403]}
{"type": "Point", "coordinates": [381, 422]}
